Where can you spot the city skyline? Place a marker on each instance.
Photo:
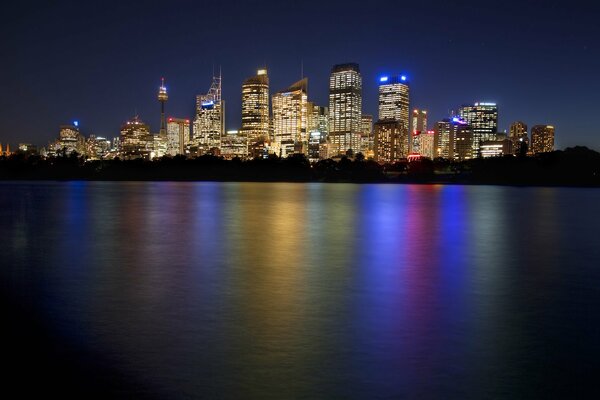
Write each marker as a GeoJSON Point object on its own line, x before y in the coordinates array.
{"type": "Point", "coordinates": [86, 69]}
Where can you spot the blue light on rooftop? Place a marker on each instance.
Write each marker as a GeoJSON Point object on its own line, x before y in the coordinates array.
{"type": "Point", "coordinates": [383, 79]}
{"type": "Point", "coordinates": [76, 123]}
{"type": "Point", "coordinates": [403, 77]}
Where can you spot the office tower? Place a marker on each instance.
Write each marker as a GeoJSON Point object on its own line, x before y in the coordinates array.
{"type": "Point", "coordinates": [463, 140]}
{"type": "Point", "coordinates": [418, 127]}
{"type": "Point", "coordinates": [136, 139]}
{"type": "Point", "coordinates": [445, 138]}
{"type": "Point", "coordinates": [388, 140]}
{"type": "Point", "coordinates": [290, 119]}
{"type": "Point", "coordinates": [394, 103]}
{"type": "Point", "coordinates": [69, 141]}
{"type": "Point", "coordinates": [318, 119]}
{"type": "Point", "coordinates": [542, 139]}
{"type": "Point", "coordinates": [428, 144]}
{"type": "Point", "coordinates": [519, 137]}
{"type": "Point", "coordinates": [162, 98]}
{"type": "Point", "coordinates": [345, 107]}
{"type": "Point", "coordinates": [178, 136]}
{"type": "Point", "coordinates": [209, 123]}
{"type": "Point", "coordinates": [255, 109]}
{"type": "Point", "coordinates": [483, 118]}
{"type": "Point", "coordinates": [366, 135]}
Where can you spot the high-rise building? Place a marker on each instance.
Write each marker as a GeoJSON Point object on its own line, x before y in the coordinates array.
{"type": "Point", "coordinates": [290, 119]}
{"type": "Point", "coordinates": [519, 137]}
{"type": "Point", "coordinates": [418, 127]}
{"type": "Point", "coordinates": [178, 136]}
{"type": "Point", "coordinates": [345, 107]}
{"type": "Point", "coordinates": [445, 138]}
{"type": "Point", "coordinates": [394, 103]}
{"type": "Point", "coordinates": [388, 140]}
{"type": "Point", "coordinates": [255, 108]}
{"type": "Point", "coordinates": [428, 144]}
{"type": "Point", "coordinates": [542, 139]}
{"type": "Point", "coordinates": [70, 140]}
{"type": "Point", "coordinates": [234, 145]}
{"type": "Point", "coordinates": [136, 139]}
{"type": "Point", "coordinates": [483, 118]}
{"type": "Point", "coordinates": [96, 147]}
{"type": "Point", "coordinates": [366, 135]}
{"type": "Point", "coordinates": [209, 123]}
{"type": "Point", "coordinates": [463, 140]}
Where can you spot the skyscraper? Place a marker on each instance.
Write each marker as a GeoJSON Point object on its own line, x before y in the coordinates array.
{"type": "Point", "coordinates": [419, 126]}
{"type": "Point", "coordinates": [542, 139]}
{"type": "Point", "coordinates": [290, 119]}
{"type": "Point", "coordinates": [136, 139]}
{"type": "Point", "coordinates": [519, 137]}
{"type": "Point", "coordinates": [394, 103]}
{"type": "Point", "coordinates": [445, 138]}
{"type": "Point", "coordinates": [366, 135]}
{"type": "Point", "coordinates": [209, 124]}
{"type": "Point", "coordinates": [69, 140]}
{"type": "Point", "coordinates": [255, 108]}
{"type": "Point", "coordinates": [483, 118]}
{"type": "Point", "coordinates": [345, 107]}
{"type": "Point", "coordinates": [387, 138]}
{"type": "Point", "coordinates": [178, 136]}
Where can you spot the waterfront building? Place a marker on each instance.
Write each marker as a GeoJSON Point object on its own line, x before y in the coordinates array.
{"type": "Point", "coordinates": [388, 141]}
{"type": "Point", "coordinates": [209, 123]}
{"type": "Point", "coordinates": [290, 119]}
{"type": "Point", "coordinates": [483, 118]}
{"type": "Point", "coordinates": [178, 136]}
{"type": "Point", "coordinates": [345, 107]}
{"type": "Point", "coordinates": [445, 138]}
{"type": "Point", "coordinates": [136, 139]}
{"type": "Point", "coordinates": [255, 111]}
{"type": "Point", "coordinates": [463, 140]}
{"type": "Point", "coordinates": [366, 135]}
{"type": "Point", "coordinates": [418, 127]}
{"type": "Point", "coordinates": [496, 148]}
{"type": "Point", "coordinates": [70, 140]}
{"type": "Point", "coordinates": [97, 147]}
{"type": "Point", "coordinates": [542, 139]}
{"type": "Point", "coordinates": [428, 144]}
{"type": "Point", "coordinates": [234, 145]}
{"type": "Point", "coordinates": [394, 103]}
{"type": "Point", "coordinates": [519, 137]}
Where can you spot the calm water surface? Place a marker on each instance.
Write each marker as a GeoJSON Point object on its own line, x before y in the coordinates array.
{"type": "Point", "coordinates": [260, 290]}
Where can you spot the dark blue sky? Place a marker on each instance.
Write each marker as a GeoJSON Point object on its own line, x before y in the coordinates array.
{"type": "Point", "coordinates": [100, 62]}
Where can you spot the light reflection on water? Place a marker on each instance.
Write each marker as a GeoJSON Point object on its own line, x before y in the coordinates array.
{"type": "Point", "coordinates": [272, 290]}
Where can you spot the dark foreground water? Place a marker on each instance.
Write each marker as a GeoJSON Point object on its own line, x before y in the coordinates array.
{"type": "Point", "coordinates": [261, 290]}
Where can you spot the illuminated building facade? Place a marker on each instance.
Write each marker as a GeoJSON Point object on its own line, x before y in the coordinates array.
{"type": "Point", "coordinates": [209, 123]}
{"type": "Point", "coordinates": [483, 118]}
{"type": "Point", "coordinates": [542, 139]}
{"type": "Point", "coordinates": [234, 145]}
{"type": "Point", "coordinates": [70, 140]}
{"type": "Point", "coordinates": [387, 141]}
{"type": "Point", "coordinates": [162, 98]}
{"type": "Point", "coordinates": [178, 136]}
{"type": "Point", "coordinates": [366, 135]}
{"type": "Point", "coordinates": [97, 147]}
{"type": "Point", "coordinates": [463, 140]}
{"type": "Point", "coordinates": [418, 127]}
{"type": "Point", "coordinates": [136, 139]}
{"type": "Point", "coordinates": [345, 107]}
{"type": "Point", "coordinates": [428, 144]}
{"type": "Point", "coordinates": [496, 148]}
{"type": "Point", "coordinates": [445, 138]}
{"type": "Point", "coordinates": [394, 103]}
{"type": "Point", "coordinates": [255, 109]}
{"type": "Point", "coordinates": [290, 119]}
{"type": "Point", "coordinates": [519, 137]}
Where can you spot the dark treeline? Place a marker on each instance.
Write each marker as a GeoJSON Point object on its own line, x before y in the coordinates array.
{"type": "Point", "coordinates": [578, 166]}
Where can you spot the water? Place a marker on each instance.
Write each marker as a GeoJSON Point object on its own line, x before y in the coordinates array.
{"type": "Point", "coordinates": [277, 290]}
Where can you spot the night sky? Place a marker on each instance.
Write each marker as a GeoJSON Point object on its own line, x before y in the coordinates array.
{"type": "Point", "coordinates": [101, 62]}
